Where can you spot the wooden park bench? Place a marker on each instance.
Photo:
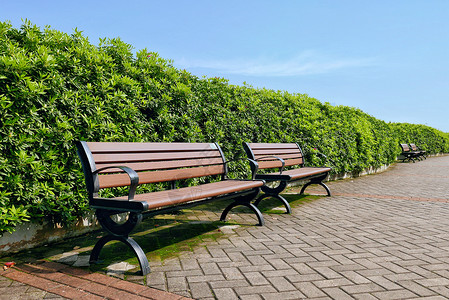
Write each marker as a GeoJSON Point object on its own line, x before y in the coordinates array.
{"type": "Point", "coordinates": [110, 165]}
{"type": "Point", "coordinates": [285, 157]}
{"type": "Point", "coordinates": [423, 153]}
{"type": "Point", "coordinates": [409, 154]}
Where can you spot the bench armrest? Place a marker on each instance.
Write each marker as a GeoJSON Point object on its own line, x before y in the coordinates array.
{"type": "Point", "coordinates": [278, 158]}
{"type": "Point", "coordinates": [133, 176]}
{"type": "Point", "coordinates": [253, 164]}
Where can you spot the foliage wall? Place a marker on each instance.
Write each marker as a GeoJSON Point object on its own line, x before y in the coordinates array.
{"type": "Point", "coordinates": [56, 88]}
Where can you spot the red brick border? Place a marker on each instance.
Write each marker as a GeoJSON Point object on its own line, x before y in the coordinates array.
{"type": "Point", "coordinates": [75, 283]}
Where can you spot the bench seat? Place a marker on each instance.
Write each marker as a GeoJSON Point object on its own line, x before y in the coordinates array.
{"type": "Point", "coordinates": [294, 174]}
{"type": "Point", "coordinates": [166, 198]}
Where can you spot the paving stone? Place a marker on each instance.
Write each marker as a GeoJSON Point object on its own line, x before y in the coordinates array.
{"type": "Point", "coordinates": [82, 261]}
{"type": "Point", "coordinates": [310, 290]}
{"type": "Point", "coordinates": [384, 282]}
{"type": "Point", "coordinates": [364, 296]}
{"type": "Point", "coordinates": [355, 277]}
{"type": "Point", "coordinates": [156, 278]}
{"type": "Point", "coordinates": [228, 284]}
{"type": "Point", "coordinates": [250, 297]}
{"type": "Point", "coordinates": [251, 290]}
{"type": "Point", "coordinates": [362, 288]}
{"type": "Point", "coordinates": [175, 284]}
{"type": "Point", "coordinates": [337, 293]}
{"type": "Point", "coordinates": [256, 278]}
{"type": "Point", "coordinates": [328, 273]}
{"type": "Point", "coordinates": [210, 269]}
{"type": "Point", "coordinates": [120, 267]}
{"type": "Point", "coordinates": [433, 282]}
{"type": "Point", "coordinates": [283, 295]}
{"type": "Point", "coordinates": [232, 273]}
{"type": "Point", "coordinates": [396, 294]}
{"type": "Point", "coordinates": [68, 257]}
{"type": "Point", "coordinates": [200, 290]}
{"type": "Point", "coordinates": [205, 278]}
{"type": "Point", "coordinates": [416, 288]}
{"type": "Point", "coordinates": [281, 284]}
{"type": "Point", "coordinates": [225, 294]}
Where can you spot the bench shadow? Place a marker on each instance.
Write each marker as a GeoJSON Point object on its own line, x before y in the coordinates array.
{"type": "Point", "coordinates": [161, 237]}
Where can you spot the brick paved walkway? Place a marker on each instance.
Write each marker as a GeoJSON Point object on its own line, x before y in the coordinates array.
{"type": "Point", "coordinates": [383, 236]}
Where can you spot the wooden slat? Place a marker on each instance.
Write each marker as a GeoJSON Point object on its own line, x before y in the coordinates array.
{"type": "Point", "coordinates": [264, 152]}
{"type": "Point", "coordinates": [255, 146]}
{"type": "Point", "coordinates": [160, 165]}
{"type": "Point", "coordinates": [294, 162]}
{"type": "Point", "coordinates": [142, 157]}
{"type": "Point", "coordinates": [102, 147]}
{"type": "Point", "coordinates": [283, 156]}
{"type": "Point", "coordinates": [278, 164]}
{"type": "Point", "coordinates": [116, 180]}
{"type": "Point", "coordinates": [182, 195]}
{"type": "Point", "coordinates": [405, 147]}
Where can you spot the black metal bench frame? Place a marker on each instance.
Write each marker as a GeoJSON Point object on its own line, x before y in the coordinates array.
{"type": "Point", "coordinates": [106, 208]}
{"type": "Point", "coordinates": [278, 156]}
{"type": "Point", "coordinates": [422, 153]}
{"type": "Point", "coordinates": [409, 154]}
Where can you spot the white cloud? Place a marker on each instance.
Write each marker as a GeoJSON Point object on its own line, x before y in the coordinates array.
{"type": "Point", "coordinates": [306, 63]}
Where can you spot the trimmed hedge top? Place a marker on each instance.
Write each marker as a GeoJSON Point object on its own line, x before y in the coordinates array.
{"type": "Point", "coordinates": [56, 88]}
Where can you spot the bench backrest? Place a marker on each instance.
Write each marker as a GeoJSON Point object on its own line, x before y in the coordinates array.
{"type": "Point", "coordinates": [414, 147]}
{"type": "Point", "coordinates": [264, 154]}
{"type": "Point", "coordinates": [405, 148]}
{"type": "Point", "coordinates": [153, 162]}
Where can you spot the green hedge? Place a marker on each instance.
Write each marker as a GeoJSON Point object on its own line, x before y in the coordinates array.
{"type": "Point", "coordinates": [56, 88]}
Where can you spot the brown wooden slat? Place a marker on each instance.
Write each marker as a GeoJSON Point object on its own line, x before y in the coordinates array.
{"type": "Point", "coordinates": [294, 162]}
{"type": "Point", "coordinates": [269, 164]}
{"type": "Point", "coordinates": [160, 165]}
{"type": "Point", "coordinates": [97, 147]}
{"type": "Point", "coordinates": [116, 180]}
{"type": "Point", "coordinates": [255, 146]}
{"type": "Point", "coordinates": [278, 164]}
{"type": "Point", "coordinates": [283, 156]}
{"type": "Point", "coordinates": [264, 152]}
{"type": "Point", "coordinates": [141, 157]}
{"type": "Point", "coordinates": [304, 172]}
{"type": "Point", "coordinates": [177, 196]}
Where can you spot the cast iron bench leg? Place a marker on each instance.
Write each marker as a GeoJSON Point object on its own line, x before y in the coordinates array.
{"type": "Point", "coordinates": [274, 192]}
{"type": "Point", "coordinates": [120, 232]}
{"type": "Point", "coordinates": [245, 201]}
{"type": "Point", "coordinates": [316, 181]}
{"type": "Point", "coordinates": [141, 257]}
{"type": "Point", "coordinates": [282, 199]}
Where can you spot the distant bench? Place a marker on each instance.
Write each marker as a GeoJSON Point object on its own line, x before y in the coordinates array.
{"type": "Point", "coordinates": [423, 153]}
{"type": "Point", "coordinates": [409, 154]}
{"type": "Point", "coordinates": [110, 165]}
{"type": "Point", "coordinates": [281, 156]}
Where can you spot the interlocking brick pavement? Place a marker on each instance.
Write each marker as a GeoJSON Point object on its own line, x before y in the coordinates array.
{"type": "Point", "coordinates": [383, 236]}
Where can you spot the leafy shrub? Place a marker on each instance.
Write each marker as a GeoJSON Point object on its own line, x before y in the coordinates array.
{"type": "Point", "coordinates": [56, 88]}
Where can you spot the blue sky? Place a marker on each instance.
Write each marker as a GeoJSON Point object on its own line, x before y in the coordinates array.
{"type": "Point", "coordinates": [388, 58]}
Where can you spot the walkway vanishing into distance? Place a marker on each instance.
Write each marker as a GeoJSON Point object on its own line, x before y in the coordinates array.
{"type": "Point", "coordinates": [383, 236]}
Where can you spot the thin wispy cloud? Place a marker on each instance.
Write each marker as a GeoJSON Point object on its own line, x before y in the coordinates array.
{"type": "Point", "coordinates": [306, 63]}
